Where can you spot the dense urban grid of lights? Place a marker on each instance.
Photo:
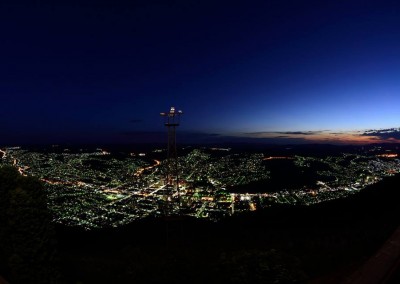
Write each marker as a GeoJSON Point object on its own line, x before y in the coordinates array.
{"type": "Point", "coordinates": [94, 189]}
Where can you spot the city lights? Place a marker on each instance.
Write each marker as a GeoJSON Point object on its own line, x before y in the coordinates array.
{"type": "Point", "coordinates": [94, 189]}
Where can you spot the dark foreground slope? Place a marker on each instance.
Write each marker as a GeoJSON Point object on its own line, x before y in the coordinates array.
{"type": "Point", "coordinates": [280, 245]}
{"type": "Point", "coordinates": [27, 238]}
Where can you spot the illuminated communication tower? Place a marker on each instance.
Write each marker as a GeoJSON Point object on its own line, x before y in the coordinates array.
{"type": "Point", "coordinates": [171, 121]}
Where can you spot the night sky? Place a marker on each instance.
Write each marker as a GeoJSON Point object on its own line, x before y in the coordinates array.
{"type": "Point", "coordinates": [265, 71]}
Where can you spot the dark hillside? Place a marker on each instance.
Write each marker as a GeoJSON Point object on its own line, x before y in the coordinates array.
{"type": "Point", "coordinates": [289, 244]}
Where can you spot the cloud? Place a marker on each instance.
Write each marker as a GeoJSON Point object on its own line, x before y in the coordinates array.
{"type": "Point", "coordinates": [384, 134]}
{"type": "Point", "coordinates": [282, 134]}
{"type": "Point", "coordinates": [274, 133]}
{"type": "Point", "coordinates": [270, 137]}
{"type": "Point", "coordinates": [301, 132]}
{"type": "Point", "coordinates": [320, 136]}
{"type": "Point", "coordinates": [282, 139]}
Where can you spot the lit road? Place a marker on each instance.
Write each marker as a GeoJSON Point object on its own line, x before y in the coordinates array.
{"type": "Point", "coordinates": [140, 171]}
{"type": "Point", "coordinates": [20, 169]}
{"type": "Point", "coordinates": [60, 182]}
{"type": "Point", "coordinates": [4, 154]}
{"type": "Point", "coordinates": [15, 163]}
{"type": "Point", "coordinates": [158, 189]}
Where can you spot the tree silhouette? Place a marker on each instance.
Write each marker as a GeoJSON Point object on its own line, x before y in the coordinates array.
{"type": "Point", "coordinates": [27, 243]}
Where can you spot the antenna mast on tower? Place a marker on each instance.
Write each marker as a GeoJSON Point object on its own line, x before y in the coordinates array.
{"type": "Point", "coordinates": [171, 121]}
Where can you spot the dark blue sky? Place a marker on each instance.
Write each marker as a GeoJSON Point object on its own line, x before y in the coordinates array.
{"type": "Point", "coordinates": [281, 71]}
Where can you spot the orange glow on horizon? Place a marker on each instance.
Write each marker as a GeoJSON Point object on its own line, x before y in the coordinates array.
{"type": "Point", "coordinates": [355, 138]}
